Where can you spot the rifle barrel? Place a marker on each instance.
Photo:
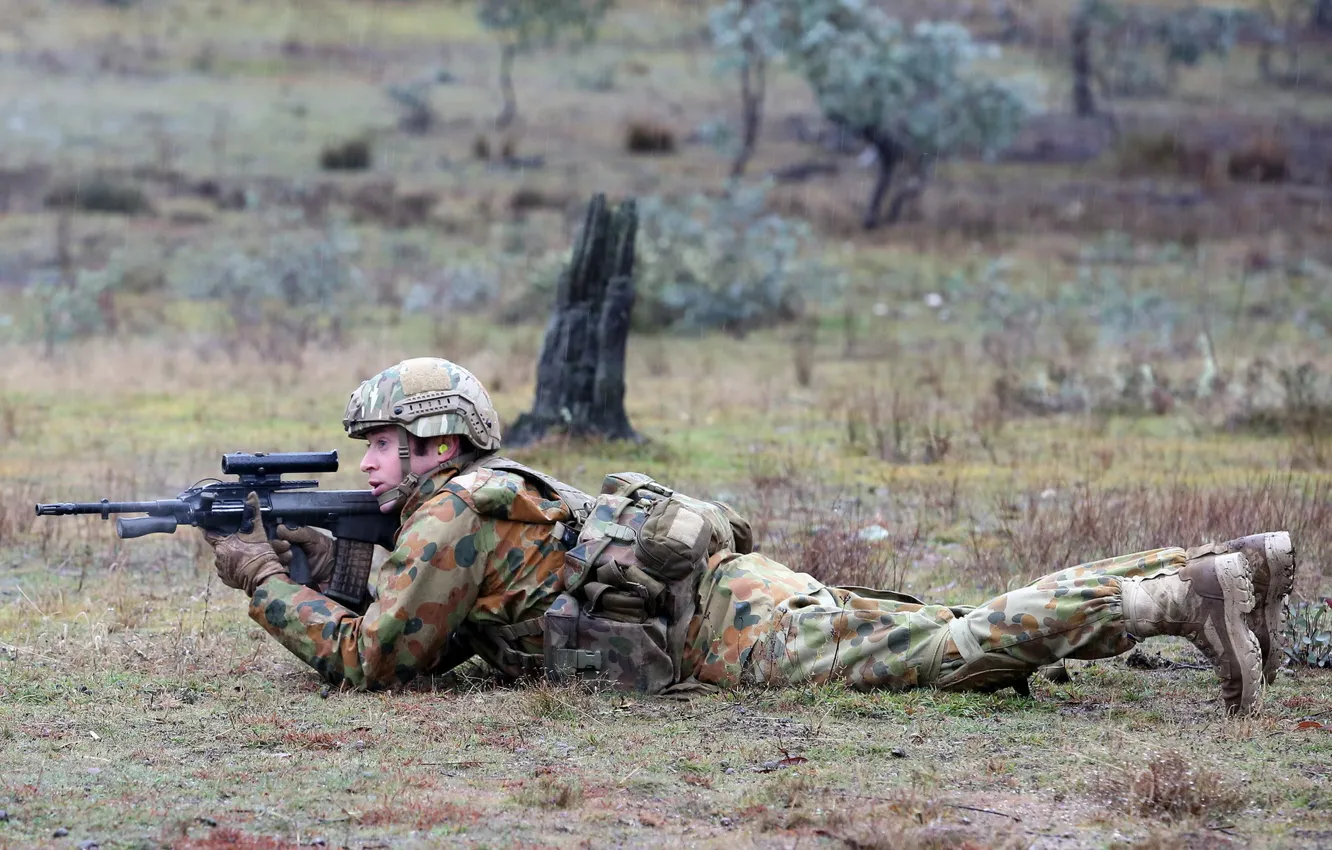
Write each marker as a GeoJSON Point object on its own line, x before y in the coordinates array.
{"type": "Point", "coordinates": [161, 507]}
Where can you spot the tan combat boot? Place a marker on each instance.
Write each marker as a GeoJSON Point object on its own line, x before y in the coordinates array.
{"type": "Point", "coordinates": [1206, 602]}
{"type": "Point", "coordinates": [1271, 558]}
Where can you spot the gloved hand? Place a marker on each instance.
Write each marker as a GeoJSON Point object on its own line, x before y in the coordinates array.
{"type": "Point", "coordinates": [245, 561]}
{"type": "Point", "coordinates": [318, 550]}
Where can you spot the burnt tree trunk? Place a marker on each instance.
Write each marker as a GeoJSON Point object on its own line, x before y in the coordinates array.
{"type": "Point", "coordinates": [1322, 16]}
{"type": "Point", "coordinates": [1084, 102]}
{"type": "Point", "coordinates": [580, 377]}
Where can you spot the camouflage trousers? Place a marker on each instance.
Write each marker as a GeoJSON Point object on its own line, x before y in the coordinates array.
{"type": "Point", "coordinates": [762, 623]}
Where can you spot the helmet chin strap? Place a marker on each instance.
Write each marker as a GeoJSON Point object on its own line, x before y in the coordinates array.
{"type": "Point", "coordinates": [396, 495]}
{"type": "Point", "coordinates": [407, 482]}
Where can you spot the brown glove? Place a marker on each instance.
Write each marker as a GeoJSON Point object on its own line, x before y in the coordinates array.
{"type": "Point", "coordinates": [318, 550]}
{"type": "Point", "coordinates": [244, 561]}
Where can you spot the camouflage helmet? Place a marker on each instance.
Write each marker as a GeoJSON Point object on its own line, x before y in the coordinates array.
{"type": "Point", "coordinates": [428, 396]}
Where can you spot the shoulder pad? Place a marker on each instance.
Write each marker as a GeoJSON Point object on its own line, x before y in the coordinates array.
{"type": "Point", "coordinates": [489, 492]}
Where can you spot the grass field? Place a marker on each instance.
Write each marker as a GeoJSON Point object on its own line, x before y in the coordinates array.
{"type": "Point", "coordinates": [139, 707]}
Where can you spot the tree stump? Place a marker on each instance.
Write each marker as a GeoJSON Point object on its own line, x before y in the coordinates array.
{"type": "Point", "coordinates": [1084, 102]}
{"type": "Point", "coordinates": [580, 377]}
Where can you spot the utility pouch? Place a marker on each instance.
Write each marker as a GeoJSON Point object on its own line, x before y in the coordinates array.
{"type": "Point", "coordinates": [626, 654]}
{"type": "Point", "coordinates": [631, 585]}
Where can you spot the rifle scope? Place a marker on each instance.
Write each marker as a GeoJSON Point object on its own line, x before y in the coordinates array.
{"type": "Point", "coordinates": [278, 463]}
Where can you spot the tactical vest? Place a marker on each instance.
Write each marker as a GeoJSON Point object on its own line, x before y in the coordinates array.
{"type": "Point", "coordinates": [634, 556]}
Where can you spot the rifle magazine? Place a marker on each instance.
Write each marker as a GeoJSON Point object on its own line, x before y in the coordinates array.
{"type": "Point", "coordinates": [351, 572]}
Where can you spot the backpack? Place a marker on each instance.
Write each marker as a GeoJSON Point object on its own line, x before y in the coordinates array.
{"type": "Point", "coordinates": [634, 556]}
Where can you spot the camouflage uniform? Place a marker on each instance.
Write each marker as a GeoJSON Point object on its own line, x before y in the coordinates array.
{"type": "Point", "coordinates": [486, 547]}
{"type": "Point", "coordinates": [478, 548]}
{"type": "Point", "coordinates": [480, 551]}
{"type": "Point", "coordinates": [762, 623]}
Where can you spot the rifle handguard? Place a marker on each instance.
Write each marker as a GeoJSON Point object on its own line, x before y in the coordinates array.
{"type": "Point", "coordinates": [127, 528]}
{"type": "Point", "coordinates": [352, 560]}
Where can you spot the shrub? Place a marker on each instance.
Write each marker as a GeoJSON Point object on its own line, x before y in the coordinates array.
{"type": "Point", "coordinates": [1161, 153]}
{"type": "Point", "coordinates": [902, 423]}
{"type": "Point", "coordinates": [521, 26]}
{"type": "Point", "coordinates": [349, 155]}
{"type": "Point", "coordinates": [707, 263]}
{"type": "Point", "coordinates": [481, 147]}
{"type": "Point", "coordinates": [457, 288]}
{"type": "Point", "coordinates": [848, 548]}
{"type": "Point", "coordinates": [99, 194]}
{"type": "Point", "coordinates": [528, 198]}
{"type": "Point", "coordinates": [1271, 399]}
{"type": "Point", "coordinates": [909, 92]}
{"type": "Point", "coordinates": [73, 310]}
{"type": "Point", "coordinates": [598, 79]}
{"type": "Point", "coordinates": [648, 137]}
{"type": "Point", "coordinates": [413, 99]}
{"type": "Point", "coordinates": [1264, 161]}
{"type": "Point", "coordinates": [551, 791]}
{"type": "Point", "coordinates": [380, 202]}
{"type": "Point", "coordinates": [1308, 633]}
{"type": "Point", "coordinates": [283, 294]}
{"type": "Point", "coordinates": [1139, 48]}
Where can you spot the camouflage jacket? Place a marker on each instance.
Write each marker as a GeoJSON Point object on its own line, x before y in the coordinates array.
{"type": "Point", "coordinates": [476, 546]}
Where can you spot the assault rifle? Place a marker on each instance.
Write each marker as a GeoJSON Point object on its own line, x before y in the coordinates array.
{"type": "Point", "coordinates": [353, 516]}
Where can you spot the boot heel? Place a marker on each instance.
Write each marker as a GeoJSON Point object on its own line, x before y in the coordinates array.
{"type": "Point", "coordinates": [1234, 576]}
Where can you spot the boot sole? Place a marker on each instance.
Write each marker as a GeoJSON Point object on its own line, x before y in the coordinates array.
{"type": "Point", "coordinates": [1269, 613]}
{"type": "Point", "coordinates": [1233, 574]}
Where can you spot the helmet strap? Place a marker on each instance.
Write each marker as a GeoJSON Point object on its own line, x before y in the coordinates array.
{"type": "Point", "coordinates": [408, 481]}
{"type": "Point", "coordinates": [397, 495]}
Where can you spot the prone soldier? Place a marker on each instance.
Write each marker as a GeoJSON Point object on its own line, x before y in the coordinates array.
{"type": "Point", "coordinates": [655, 591]}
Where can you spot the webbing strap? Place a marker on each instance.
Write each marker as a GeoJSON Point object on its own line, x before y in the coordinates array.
{"type": "Point", "coordinates": [578, 502]}
{"type": "Point", "coordinates": [521, 629]}
{"type": "Point", "coordinates": [525, 661]}
{"type": "Point", "coordinates": [960, 630]}
{"type": "Point", "coordinates": [502, 642]}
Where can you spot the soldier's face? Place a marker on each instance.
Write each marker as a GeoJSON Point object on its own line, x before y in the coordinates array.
{"type": "Point", "coordinates": [383, 470]}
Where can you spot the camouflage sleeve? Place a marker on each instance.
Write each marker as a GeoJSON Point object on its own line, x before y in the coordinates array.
{"type": "Point", "coordinates": [426, 590]}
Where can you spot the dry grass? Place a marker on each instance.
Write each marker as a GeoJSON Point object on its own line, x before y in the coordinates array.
{"type": "Point", "coordinates": [1042, 532]}
{"type": "Point", "coordinates": [1169, 785]}
{"type": "Point", "coordinates": [421, 811]}
{"type": "Point", "coordinates": [550, 791]}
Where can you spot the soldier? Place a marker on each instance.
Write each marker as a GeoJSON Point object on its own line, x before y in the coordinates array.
{"type": "Point", "coordinates": [480, 567]}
